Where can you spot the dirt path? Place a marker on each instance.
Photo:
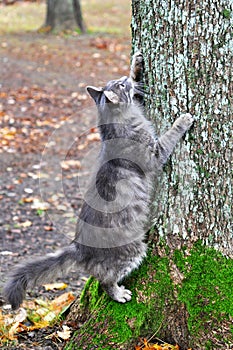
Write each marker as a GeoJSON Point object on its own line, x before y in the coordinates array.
{"type": "Point", "coordinates": [43, 99]}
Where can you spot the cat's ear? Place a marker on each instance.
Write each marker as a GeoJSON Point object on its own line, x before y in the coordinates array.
{"type": "Point", "coordinates": [94, 92]}
{"type": "Point", "coordinates": [112, 97]}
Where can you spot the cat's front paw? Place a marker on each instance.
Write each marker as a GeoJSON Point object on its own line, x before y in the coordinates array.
{"type": "Point", "coordinates": [137, 58]}
{"type": "Point", "coordinates": [185, 121]}
{"type": "Point", "coordinates": [137, 67]}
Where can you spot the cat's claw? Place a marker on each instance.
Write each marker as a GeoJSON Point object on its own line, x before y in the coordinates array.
{"type": "Point", "coordinates": [185, 121]}
{"type": "Point", "coordinates": [123, 295]}
{"type": "Point", "coordinates": [138, 57]}
{"type": "Point", "coordinates": [136, 71]}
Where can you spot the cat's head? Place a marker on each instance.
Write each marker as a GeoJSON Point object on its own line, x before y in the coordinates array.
{"type": "Point", "coordinates": [115, 92]}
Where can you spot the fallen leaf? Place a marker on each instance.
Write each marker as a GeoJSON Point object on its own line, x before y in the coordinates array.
{"type": "Point", "coordinates": [52, 286]}
{"type": "Point", "coordinates": [27, 199]}
{"type": "Point", "coordinates": [48, 228]}
{"type": "Point", "coordinates": [42, 311]}
{"type": "Point", "coordinates": [149, 346]}
{"type": "Point", "coordinates": [21, 315]}
{"type": "Point", "coordinates": [39, 205]}
{"type": "Point", "coordinates": [62, 207]}
{"type": "Point", "coordinates": [100, 43]}
{"type": "Point", "coordinates": [12, 331]}
{"type": "Point", "coordinates": [6, 252]}
{"type": "Point", "coordinates": [27, 223]}
{"type": "Point", "coordinates": [50, 316]}
{"type": "Point", "coordinates": [28, 190]}
{"type": "Point", "coordinates": [93, 137]}
{"type": "Point", "coordinates": [82, 146]}
{"type": "Point", "coordinates": [62, 301]}
{"type": "Point", "coordinates": [65, 334]}
{"type": "Point", "coordinates": [94, 130]}
{"type": "Point", "coordinates": [71, 163]}
{"type": "Point", "coordinates": [41, 302]}
{"type": "Point", "coordinates": [41, 324]}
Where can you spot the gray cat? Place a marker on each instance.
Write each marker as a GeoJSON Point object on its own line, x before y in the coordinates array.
{"type": "Point", "coordinates": [109, 241]}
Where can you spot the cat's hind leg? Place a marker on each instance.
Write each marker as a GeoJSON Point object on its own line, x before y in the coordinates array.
{"type": "Point", "coordinates": [110, 280]}
{"type": "Point", "coordinates": [111, 277]}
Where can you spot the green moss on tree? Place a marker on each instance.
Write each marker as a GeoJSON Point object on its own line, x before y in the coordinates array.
{"type": "Point", "coordinates": [206, 289]}
{"type": "Point", "coordinates": [205, 294]}
{"type": "Point", "coordinates": [226, 13]}
{"type": "Point", "coordinates": [125, 322]}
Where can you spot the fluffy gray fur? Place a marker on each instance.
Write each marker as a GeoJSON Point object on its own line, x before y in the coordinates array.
{"type": "Point", "coordinates": [112, 224]}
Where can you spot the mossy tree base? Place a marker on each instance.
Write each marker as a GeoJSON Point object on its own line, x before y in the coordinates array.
{"type": "Point", "coordinates": [184, 297]}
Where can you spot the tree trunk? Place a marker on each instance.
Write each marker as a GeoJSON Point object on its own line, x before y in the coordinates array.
{"type": "Point", "coordinates": [64, 15]}
{"type": "Point", "coordinates": [189, 68]}
{"type": "Point", "coordinates": [183, 290]}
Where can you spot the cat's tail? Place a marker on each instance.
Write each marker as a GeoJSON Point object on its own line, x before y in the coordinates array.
{"type": "Point", "coordinates": [37, 271]}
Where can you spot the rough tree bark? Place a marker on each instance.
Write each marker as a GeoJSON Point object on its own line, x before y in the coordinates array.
{"type": "Point", "coordinates": [64, 15]}
{"type": "Point", "coordinates": [188, 46]}
{"type": "Point", "coordinates": [183, 290]}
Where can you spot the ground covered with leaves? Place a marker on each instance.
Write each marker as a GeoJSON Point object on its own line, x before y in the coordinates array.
{"type": "Point", "coordinates": [47, 119]}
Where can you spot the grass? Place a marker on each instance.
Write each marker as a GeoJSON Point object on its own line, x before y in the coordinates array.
{"type": "Point", "coordinates": [21, 18]}
{"type": "Point", "coordinates": [110, 16]}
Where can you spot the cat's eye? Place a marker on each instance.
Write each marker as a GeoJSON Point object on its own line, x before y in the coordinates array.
{"type": "Point", "coordinates": [123, 85]}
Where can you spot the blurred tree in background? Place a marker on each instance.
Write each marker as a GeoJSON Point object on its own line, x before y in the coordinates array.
{"type": "Point", "coordinates": [64, 15]}
{"type": "Point", "coordinates": [60, 14]}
